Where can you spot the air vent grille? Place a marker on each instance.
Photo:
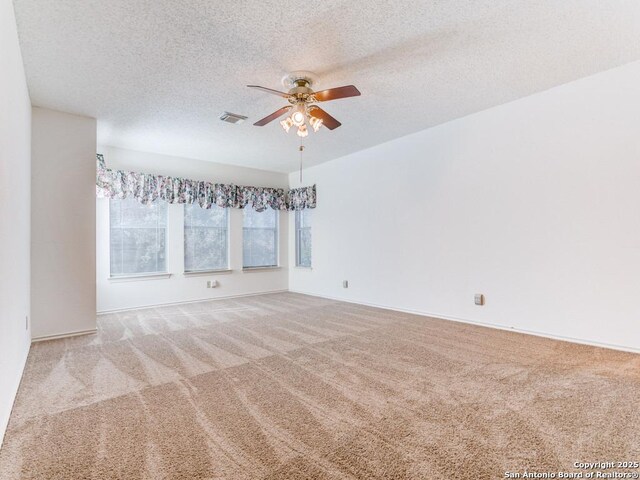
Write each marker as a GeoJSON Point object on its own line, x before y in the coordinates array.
{"type": "Point", "coordinates": [232, 117]}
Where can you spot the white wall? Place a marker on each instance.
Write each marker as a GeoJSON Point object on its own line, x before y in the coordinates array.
{"type": "Point", "coordinates": [63, 272]}
{"type": "Point", "coordinates": [534, 203]}
{"type": "Point", "coordinates": [15, 167]}
{"type": "Point", "coordinates": [115, 295]}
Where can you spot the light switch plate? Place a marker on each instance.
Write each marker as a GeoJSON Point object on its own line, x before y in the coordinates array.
{"type": "Point", "coordinates": [478, 299]}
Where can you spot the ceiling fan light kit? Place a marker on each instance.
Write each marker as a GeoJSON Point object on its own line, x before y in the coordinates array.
{"type": "Point", "coordinates": [287, 123]}
{"type": "Point", "coordinates": [303, 101]}
{"type": "Point", "coordinates": [298, 116]}
{"type": "Point", "coordinates": [315, 122]}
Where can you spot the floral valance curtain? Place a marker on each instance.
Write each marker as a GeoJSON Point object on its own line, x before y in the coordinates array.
{"type": "Point", "coordinates": [146, 188]}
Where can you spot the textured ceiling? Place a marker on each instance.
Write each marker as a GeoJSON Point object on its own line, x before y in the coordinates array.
{"type": "Point", "coordinates": [157, 73]}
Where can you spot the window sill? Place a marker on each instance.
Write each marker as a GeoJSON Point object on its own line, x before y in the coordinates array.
{"type": "Point", "coordinates": [134, 278]}
{"type": "Point", "coordinates": [260, 269]}
{"type": "Point", "coordinates": [198, 273]}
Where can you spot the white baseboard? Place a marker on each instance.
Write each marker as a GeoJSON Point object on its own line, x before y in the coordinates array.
{"type": "Point", "coordinates": [225, 297]}
{"type": "Point", "coordinates": [63, 335]}
{"type": "Point", "coordinates": [481, 324]}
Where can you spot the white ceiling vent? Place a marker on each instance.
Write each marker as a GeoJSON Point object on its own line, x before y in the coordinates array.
{"type": "Point", "coordinates": [232, 117]}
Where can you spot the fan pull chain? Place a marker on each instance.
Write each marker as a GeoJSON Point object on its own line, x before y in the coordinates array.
{"type": "Point", "coordinates": [301, 150]}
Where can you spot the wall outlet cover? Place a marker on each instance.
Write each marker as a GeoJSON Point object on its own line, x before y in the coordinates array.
{"type": "Point", "coordinates": [478, 299]}
{"type": "Point", "coordinates": [345, 284]}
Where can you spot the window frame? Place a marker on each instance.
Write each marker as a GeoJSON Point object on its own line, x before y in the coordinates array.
{"type": "Point", "coordinates": [227, 266]}
{"type": "Point", "coordinates": [298, 233]}
{"type": "Point", "coordinates": [276, 239]}
{"type": "Point", "coordinates": [139, 275]}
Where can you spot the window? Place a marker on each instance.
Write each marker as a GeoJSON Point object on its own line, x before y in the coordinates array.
{"type": "Point", "coordinates": [303, 238]}
{"type": "Point", "coordinates": [260, 238]}
{"type": "Point", "coordinates": [138, 238]}
{"type": "Point", "coordinates": [205, 238]}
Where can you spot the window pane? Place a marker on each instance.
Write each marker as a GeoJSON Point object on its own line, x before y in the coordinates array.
{"type": "Point", "coordinates": [303, 218]}
{"type": "Point", "coordinates": [143, 250]}
{"type": "Point", "coordinates": [305, 247]}
{"type": "Point", "coordinates": [131, 213]}
{"type": "Point", "coordinates": [137, 237]}
{"type": "Point", "coordinates": [303, 238]}
{"type": "Point", "coordinates": [196, 216]}
{"type": "Point", "coordinates": [205, 238]}
{"type": "Point", "coordinates": [260, 238]}
{"type": "Point", "coordinates": [264, 219]}
{"type": "Point", "coordinates": [115, 241]}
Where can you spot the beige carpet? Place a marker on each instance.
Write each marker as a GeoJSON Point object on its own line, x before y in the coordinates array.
{"type": "Point", "coordinates": [286, 386]}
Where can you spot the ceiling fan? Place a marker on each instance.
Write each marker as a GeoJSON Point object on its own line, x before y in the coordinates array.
{"type": "Point", "coordinates": [303, 101]}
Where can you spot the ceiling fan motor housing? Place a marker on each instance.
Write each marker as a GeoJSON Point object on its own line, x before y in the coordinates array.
{"type": "Point", "coordinates": [298, 84]}
{"type": "Point", "coordinates": [299, 78]}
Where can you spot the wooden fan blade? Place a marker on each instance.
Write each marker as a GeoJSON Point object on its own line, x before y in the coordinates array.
{"type": "Point", "coordinates": [273, 116]}
{"type": "Point", "coordinates": [327, 120]}
{"type": "Point", "coordinates": [336, 93]}
{"type": "Point", "coordinates": [269, 90]}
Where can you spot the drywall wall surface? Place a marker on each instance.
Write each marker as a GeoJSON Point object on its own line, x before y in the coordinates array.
{"type": "Point", "coordinates": [533, 204]}
{"type": "Point", "coordinates": [63, 278]}
{"type": "Point", "coordinates": [15, 227]}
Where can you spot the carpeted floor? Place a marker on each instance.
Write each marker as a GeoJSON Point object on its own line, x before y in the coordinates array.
{"type": "Point", "coordinates": [287, 386]}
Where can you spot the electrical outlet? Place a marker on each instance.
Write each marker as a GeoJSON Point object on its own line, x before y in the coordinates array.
{"type": "Point", "coordinates": [478, 299]}
{"type": "Point", "coordinates": [345, 284]}
{"type": "Point", "coordinates": [212, 283]}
